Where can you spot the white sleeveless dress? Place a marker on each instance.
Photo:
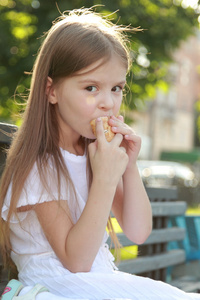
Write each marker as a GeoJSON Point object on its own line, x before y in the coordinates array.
{"type": "Point", "coordinates": [37, 262]}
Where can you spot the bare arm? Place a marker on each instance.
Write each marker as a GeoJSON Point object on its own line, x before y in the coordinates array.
{"type": "Point", "coordinates": [131, 205]}
{"type": "Point", "coordinates": [76, 245]}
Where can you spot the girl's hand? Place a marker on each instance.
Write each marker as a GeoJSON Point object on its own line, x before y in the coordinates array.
{"type": "Point", "coordinates": [131, 142]}
{"type": "Point", "coordinates": [108, 159]}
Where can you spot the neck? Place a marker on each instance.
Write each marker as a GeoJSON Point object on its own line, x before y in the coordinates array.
{"type": "Point", "coordinates": [77, 148]}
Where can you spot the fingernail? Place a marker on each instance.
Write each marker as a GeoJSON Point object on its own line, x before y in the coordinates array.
{"type": "Point", "coordinates": [98, 119]}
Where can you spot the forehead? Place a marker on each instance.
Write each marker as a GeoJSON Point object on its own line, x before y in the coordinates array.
{"type": "Point", "coordinates": [113, 62]}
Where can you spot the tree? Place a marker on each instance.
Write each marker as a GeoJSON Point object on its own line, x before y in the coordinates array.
{"type": "Point", "coordinates": [165, 24]}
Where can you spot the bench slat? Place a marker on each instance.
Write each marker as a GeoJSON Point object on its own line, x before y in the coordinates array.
{"type": "Point", "coordinates": [153, 262]}
{"type": "Point", "coordinates": [168, 208]}
{"type": "Point", "coordinates": [162, 193]}
{"type": "Point", "coordinates": [165, 209]}
{"type": "Point", "coordinates": [157, 236]}
{"type": "Point", "coordinates": [5, 132]}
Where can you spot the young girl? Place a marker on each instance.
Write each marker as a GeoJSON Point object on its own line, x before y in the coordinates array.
{"type": "Point", "coordinates": [61, 182]}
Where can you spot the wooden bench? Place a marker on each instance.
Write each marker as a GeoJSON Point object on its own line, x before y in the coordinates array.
{"type": "Point", "coordinates": [154, 257]}
{"type": "Point", "coordinates": [6, 131]}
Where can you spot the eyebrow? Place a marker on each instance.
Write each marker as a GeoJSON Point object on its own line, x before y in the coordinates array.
{"type": "Point", "coordinates": [96, 81]}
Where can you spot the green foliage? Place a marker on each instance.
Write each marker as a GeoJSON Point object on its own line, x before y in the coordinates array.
{"type": "Point", "coordinates": [23, 22]}
{"type": "Point", "coordinates": [197, 107]}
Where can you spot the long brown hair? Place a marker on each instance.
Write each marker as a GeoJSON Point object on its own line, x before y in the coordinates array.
{"type": "Point", "coordinates": [75, 40]}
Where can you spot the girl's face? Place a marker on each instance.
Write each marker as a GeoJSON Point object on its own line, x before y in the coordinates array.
{"type": "Point", "coordinates": [92, 92]}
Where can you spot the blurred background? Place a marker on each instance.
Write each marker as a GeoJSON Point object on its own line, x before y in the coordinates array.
{"type": "Point", "coordinates": [162, 99]}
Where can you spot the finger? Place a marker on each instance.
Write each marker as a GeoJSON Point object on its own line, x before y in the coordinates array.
{"type": "Point", "coordinates": [122, 128]}
{"type": "Point", "coordinates": [118, 126]}
{"type": "Point", "coordinates": [117, 139]}
{"type": "Point", "coordinates": [131, 136]}
{"type": "Point", "coordinates": [134, 138]}
{"type": "Point", "coordinates": [100, 130]}
{"type": "Point", "coordinates": [116, 120]}
{"type": "Point", "coordinates": [121, 118]}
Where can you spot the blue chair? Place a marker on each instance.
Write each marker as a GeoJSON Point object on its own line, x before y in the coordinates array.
{"type": "Point", "coordinates": [191, 243]}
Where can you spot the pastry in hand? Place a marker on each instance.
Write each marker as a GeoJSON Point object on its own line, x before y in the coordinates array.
{"type": "Point", "coordinates": [107, 128]}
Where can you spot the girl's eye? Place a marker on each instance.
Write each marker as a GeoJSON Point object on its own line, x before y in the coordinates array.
{"type": "Point", "coordinates": [91, 88]}
{"type": "Point", "coordinates": [116, 89]}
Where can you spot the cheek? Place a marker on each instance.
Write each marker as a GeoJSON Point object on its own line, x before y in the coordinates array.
{"type": "Point", "coordinates": [117, 106]}
{"type": "Point", "coordinates": [90, 101]}
{"type": "Point", "coordinates": [88, 106]}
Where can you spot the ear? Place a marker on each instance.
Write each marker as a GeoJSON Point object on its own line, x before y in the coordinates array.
{"type": "Point", "coordinates": [50, 91]}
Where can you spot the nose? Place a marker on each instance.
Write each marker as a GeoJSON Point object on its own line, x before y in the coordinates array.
{"type": "Point", "coordinates": [106, 102]}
